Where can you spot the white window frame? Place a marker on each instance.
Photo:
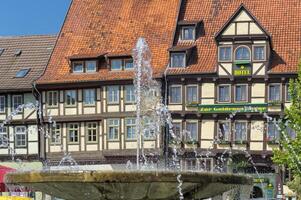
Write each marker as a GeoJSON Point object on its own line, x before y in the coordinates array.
{"type": "Point", "coordinates": [280, 92]}
{"type": "Point", "coordinates": [117, 94]}
{"type": "Point", "coordinates": [268, 136]}
{"type": "Point", "coordinates": [230, 96]}
{"type": "Point", "coordinates": [115, 59]}
{"type": "Point", "coordinates": [56, 131]}
{"type": "Point", "coordinates": [13, 101]}
{"type": "Point", "coordinates": [4, 137]}
{"type": "Point", "coordinates": [52, 94]}
{"type": "Point", "coordinates": [230, 130]}
{"type": "Point", "coordinates": [197, 93]}
{"type": "Point", "coordinates": [182, 33]}
{"type": "Point", "coordinates": [94, 130]}
{"type": "Point", "coordinates": [287, 92]}
{"type": "Point", "coordinates": [132, 96]}
{"type": "Point", "coordinates": [247, 92]}
{"type": "Point", "coordinates": [197, 130]}
{"type": "Point", "coordinates": [115, 127]}
{"type": "Point", "coordinates": [253, 52]}
{"type": "Point", "coordinates": [181, 95]}
{"type": "Point", "coordinates": [171, 59]}
{"type": "Point", "coordinates": [90, 91]}
{"type": "Point", "coordinates": [77, 62]}
{"type": "Point", "coordinates": [23, 139]}
{"type": "Point", "coordinates": [132, 125]}
{"type": "Point", "coordinates": [231, 56]}
{"type": "Point", "coordinates": [124, 61]}
{"type": "Point", "coordinates": [149, 134]}
{"type": "Point", "coordinates": [66, 98]}
{"type": "Point", "coordinates": [246, 133]}
{"type": "Point", "coordinates": [86, 66]}
{"type": "Point", "coordinates": [73, 134]}
{"type": "Point", "coordinates": [181, 130]}
{"type": "Point", "coordinates": [240, 47]}
{"type": "Point", "coordinates": [3, 103]}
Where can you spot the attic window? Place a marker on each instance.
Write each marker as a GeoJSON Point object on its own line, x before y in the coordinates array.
{"type": "Point", "coordinates": [121, 64]}
{"type": "Point", "coordinates": [1, 51]}
{"type": "Point", "coordinates": [188, 33]}
{"type": "Point", "coordinates": [22, 73]}
{"type": "Point", "coordinates": [178, 60]}
{"type": "Point", "coordinates": [18, 52]}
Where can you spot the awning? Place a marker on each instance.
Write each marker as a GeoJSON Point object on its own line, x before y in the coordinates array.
{"type": "Point", "coordinates": [4, 170]}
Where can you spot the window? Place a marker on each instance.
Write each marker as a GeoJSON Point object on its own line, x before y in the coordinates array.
{"type": "Point", "coordinates": [240, 131]}
{"type": "Point", "coordinates": [78, 67]}
{"type": "Point", "coordinates": [225, 53]}
{"type": "Point", "coordinates": [113, 129]}
{"type": "Point", "coordinates": [224, 93]}
{"type": "Point", "coordinates": [130, 94]}
{"type": "Point", "coordinates": [56, 134]}
{"type": "Point", "coordinates": [192, 94]}
{"type": "Point", "coordinates": [92, 132]}
{"type": "Point", "coordinates": [113, 94]}
{"type": "Point", "coordinates": [273, 132]}
{"type": "Point", "coordinates": [178, 60]}
{"type": "Point", "coordinates": [242, 53]}
{"type": "Point", "coordinates": [20, 136]}
{"type": "Point", "coordinates": [175, 95]}
{"type": "Point", "coordinates": [2, 104]}
{"type": "Point", "coordinates": [116, 64]}
{"type": "Point", "coordinates": [73, 133]}
{"type": "Point", "coordinates": [128, 64]}
{"type": "Point", "coordinates": [259, 53]}
{"type": "Point", "coordinates": [224, 131]}
{"type": "Point", "coordinates": [22, 73]}
{"type": "Point", "coordinates": [241, 93]}
{"type": "Point", "coordinates": [150, 127]}
{"type": "Point", "coordinates": [70, 97]}
{"type": "Point", "coordinates": [288, 94]}
{"type": "Point", "coordinates": [17, 101]}
{"type": "Point", "coordinates": [274, 92]}
{"type": "Point", "coordinates": [89, 97]}
{"type": "Point", "coordinates": [91, 66]}
{"type": "Point", "coordinates": [3, 137]}
{"type": "Point", "coordinates": [291, 132]}
{"type": "Point", "coordinates": [187, 33]}
{"type": "Point", "coordinates": [192, 131]}
{"type": "Point", "coordinates": [177, 130]}
{"type": "Point", "coordinates": [52, 98]}
{"type": "Point", "coordinates": [130, 126]}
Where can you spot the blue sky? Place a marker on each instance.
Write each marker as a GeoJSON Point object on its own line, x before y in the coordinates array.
{"type": "Point", "coordinates": [32, 17]}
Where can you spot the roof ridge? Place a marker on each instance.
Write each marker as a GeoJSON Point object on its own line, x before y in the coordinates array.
{"type": "Point", "coordinates": [27, 36]}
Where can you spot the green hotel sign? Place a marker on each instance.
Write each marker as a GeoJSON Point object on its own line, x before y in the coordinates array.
{"type": "Point", "coordinates": [230, 108]}
{"type": "Point", "coordinates": [242, 68]}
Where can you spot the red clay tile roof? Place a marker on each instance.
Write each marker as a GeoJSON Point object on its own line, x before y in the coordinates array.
{"type": "Point", "coordinates": [112, 26]}
{"type": "Point", "coordinates": [282, 19]}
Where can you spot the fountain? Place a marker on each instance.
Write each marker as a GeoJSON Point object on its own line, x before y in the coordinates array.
{"type": "Point", "coordinates": [144, 182]}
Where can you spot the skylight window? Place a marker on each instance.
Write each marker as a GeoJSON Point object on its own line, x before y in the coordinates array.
{"type": "Point", "coordinates": [18, 52]}
{"type": "Point", "coordinates": [22, 73]}
{"type": "Point", "coordinates": [1, 51]}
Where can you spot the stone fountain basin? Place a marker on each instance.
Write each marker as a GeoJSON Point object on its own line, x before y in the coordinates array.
{"type": "Point", "coordinates": [128, 185]}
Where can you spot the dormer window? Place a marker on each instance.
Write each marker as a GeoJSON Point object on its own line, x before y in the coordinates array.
{"type": "Point", "coordinates": [78, 67]}
{"type": "Point", "coordinates": [225, 53]}
{"type": "Point", "coordinates": [87, 66]}
{"type": "Point", "coordinates": [91, 66]}
{"type": "Point", "coordinates": [243, 53]}
{"type": "Point", "coordinates": [188, 33]}
{"type": "Point", "coordinates": [178, 60]}
{"type": "Point", "coordinates": [122, 64]}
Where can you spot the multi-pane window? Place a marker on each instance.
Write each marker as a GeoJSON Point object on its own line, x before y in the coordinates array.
{"type": "Point", "coordinates": [288, 94]}
{"type": "Point", "coordinates": [130, 94]}
{"type": "Point", "coordinates": [192, 94]}
{"type": "Point", "coordinates": [113, 129]}
{"type": "Point", "coordinates": [20, 136]}
{"type": "Point", "coordinates": [149, 131]}
{"type": "Point", "coordinates": [224, 131]}
{"type": "Point", "coordinates": [240, 131]}
{"type": "Point", "coordinates": [113, 94]}
{"type": "Point", "coordinates": [259, 53]}
{"type": "Point", "coordinates": [192, 131]}
{"type": "Point", "coordinates": [177, 131]}
{"type": "Point", "coordinates": [224, 93]}
{"type": "Point", "coordinates": [56, 134]}
{"type": "Point", "coordinates": [274, 92]}
{"type": "Point", "coordinates": [92, 132]}
{"type": "Point", "coordinates": [128, 64]}
{"type": "Point", "coordinates": [2, 104]}
{"type": "Point", "coordinates": [241, 92]}
{"type": "Point", "coordinates": [90, 66]}
{"type": "Point", "coordinates": [78, 67]}
{"type": "Point", "coordinates": [73, 133]}
{"type": "Point", "coordinates": [225, 54]}
{"type": "Point", "coordinates": [130, 127]}
{"type": "Point", "coordinates": [116, 64]}
{"type": "Point", "coordinates": [89, 96]}
{"type": "Point", "coordinates": [242, 53]}
{"type": "Point", "coordinates": [273, 132]}
{"type": "Point", "coordinates": [52, 98]}
{"type": "Point", "coordinates": [3, 137]}
{"type": "Point", "coordinates": [122, 64]}
{"type": "Point", "coordinates": [70, 97]}
{"type": "Point", "coordinates": [178, 60]}
{"type": "Point", "coordinates": [17, 101]}
{"type": "Point", "coordinates": [175, 94]}
{"type": "Point", "coordinates": [187, 33]}
{"type": "Point", "coordinates": [291, 132]}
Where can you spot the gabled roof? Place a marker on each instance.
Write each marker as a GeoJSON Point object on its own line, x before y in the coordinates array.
{"type": "Point", "coordinates": [281, 19]}
{"type": "Point", "coordinates": [33, 53]}
{"type": "Point", "coordinates": [112, 26]}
